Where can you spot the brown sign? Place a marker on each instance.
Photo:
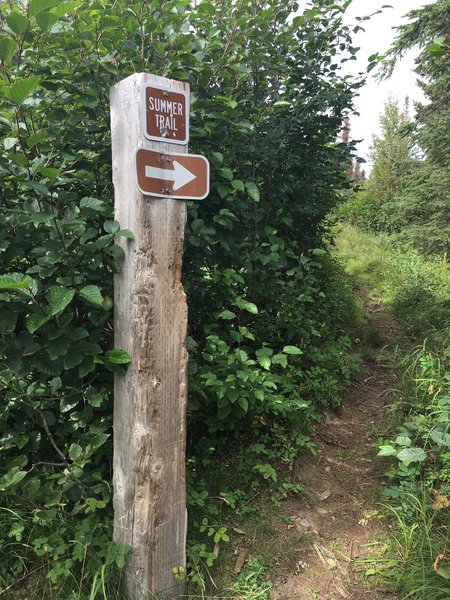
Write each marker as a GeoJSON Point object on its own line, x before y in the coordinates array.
{"type": "Point", "coordinates": [165, 114]}
{"type": "Point", "coordinates": [183, 176]}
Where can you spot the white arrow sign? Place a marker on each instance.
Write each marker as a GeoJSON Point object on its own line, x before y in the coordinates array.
{"type": "Point", "coordinates": [172, 175]}
{"type": "Point", "coordinates": [179, 175]}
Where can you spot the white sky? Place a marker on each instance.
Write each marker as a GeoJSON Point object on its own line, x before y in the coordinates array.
{"type": "Point", "coordinates": [377, 37]}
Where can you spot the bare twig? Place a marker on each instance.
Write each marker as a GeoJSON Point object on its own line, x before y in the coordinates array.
{"type": "Point", "coordinates": [65, 462]}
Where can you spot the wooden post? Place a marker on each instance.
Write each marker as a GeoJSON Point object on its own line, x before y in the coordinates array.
{"type": "Point", "coordinates": [150, 400]}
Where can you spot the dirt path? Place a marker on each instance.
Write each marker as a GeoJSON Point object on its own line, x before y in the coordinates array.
{"type": "Point", "coordinates": [340, 520]}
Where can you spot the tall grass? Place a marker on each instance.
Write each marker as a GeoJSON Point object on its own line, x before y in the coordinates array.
{"type": "Point", "coordinates": [418, 539]}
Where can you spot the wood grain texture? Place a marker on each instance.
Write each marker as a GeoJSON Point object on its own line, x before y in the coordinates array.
{"type": "Point", "coordinates": [150, 400]}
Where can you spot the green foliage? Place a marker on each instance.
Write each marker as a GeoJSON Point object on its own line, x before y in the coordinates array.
{"type": "Point", "coordinates": [380, 204]}
{"type": "Point", "coordinates": [390, 155]}
{"type": "Point", "coordinates": [72, 553]}
{"type": "Point", "coordinates": [419, 569]}
{"type": "Point", "coordinates": [252, 583]}
{"type": "Point", "coordinates": [414, 288]}
{"type": "Point", "coordinates": [405, 196]}
{"type": "Point", "coordinates": [419, 495]}
{"type": "Point", "coordinates": [267, 105]}
{"type": "Point", "coordinates": [422, 441]}
{"type": "Point", "coordinates": [235, 383]}
{"type": "Point", "coordinates": [221, 493]}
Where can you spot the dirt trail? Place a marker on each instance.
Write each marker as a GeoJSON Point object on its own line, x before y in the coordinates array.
{"type": "Point", "coordinates": [340, 520]}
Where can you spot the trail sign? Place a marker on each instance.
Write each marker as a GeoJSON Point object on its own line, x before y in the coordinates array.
{"type": "Point", "coordinates": [172, 175]}
{"type": "Point", "coordinates": [150, 323]}
{"type": "Point", "coordinates": [165, 114]}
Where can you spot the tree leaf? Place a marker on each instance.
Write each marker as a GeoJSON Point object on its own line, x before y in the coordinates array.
{"type": "Point", "coordinates": [280, 359]}
{"type": "Point", "coordinates": [7, 48]}
{"type": "Point", "coordinates": [243, 403]}
{"type": "Point", "coordinates": [10, 142]}
{"type": "Point", "coordinates": [79, 333]}
{"type": "Point", "coordinates": [224, 191]}
{"type": "Point", "coordinates": [73, 359]}
{"type": "Point", "coordinates": [92, 293]}
{"type": "Point", "coordinates": [37, 6]}
{"type": "Point", "coordinates": [34, 321]}
{"type": "Point", "coordinates": [96, 400]}
{"type": "Point", "coordinates": [238, 185]}
{"type": "Point", "coordinates": [49, 172]}
{"type": "Point", "coordinates": [65, 7]}
{"type": "Point", "coordinates": [118, 356]}
{"type": "Point", "coordinates": [22, 88]}
{"type": "Point", "coordinates": [252, 190]}
{"type": "Point", "coordinates": [12, 477]}
{"type": "Point", "coordinates": [94, 204]}
{"type": "Point", "coordinates": [265, 362]}
{"type": "Point", "coordinates": [18, 22]}
{"type": "Point", "coordinates": [226, 314]}
{"type": "Point", "coordinates": [8, 320]}
{"type": "Point", "coordinates": [111, 226]}
{"type": "Point", "coordinates": [38, 186]}
{"type": "Point", "coordinates": [409, 455]}
{"type": "Point", "coordinates": [37, 138]}
{"type": "Point", "coordinates": [227, 173]}
{"type": "Point", "coordinates": [21, 440]}
{"type": "Point", "coordinates": [245, 305]}
{"type": "Point", "coordinates": [46, 20]}
{"type": "Point", "coordinates": [30, 349]}
{"type": "Point", "coordinates": [58, 347]}
{"type": "Point", "coordinates": [86, 367]}
{"type": "Point", "coordinates": [387, 450]}
{"type": "Point", "coordinates": [75, 451]}
{"type": "Point", "coordinates": [403, 440]}
{"type": "Point", "coordinates": [126, 233]}
{"type": "Point", "coordinates": [440, 437]}
{"type": "Point", "coordinates": [292, 350]}
{"type": "Point", "coordinates": [15, 281]}
{"type": "Point", "coordinates": [38, 218]}
{"type": "Point", "coordinates": [59, 297]}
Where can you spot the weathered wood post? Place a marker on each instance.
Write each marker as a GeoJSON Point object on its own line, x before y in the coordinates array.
{"type": "Point", "coordinates": [150, 324]}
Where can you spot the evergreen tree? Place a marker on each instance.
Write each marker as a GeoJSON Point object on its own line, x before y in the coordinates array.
{"type": "Point", "coordinates": [390, 155]}
{"type": "Point", "coordinates": [429, 216]}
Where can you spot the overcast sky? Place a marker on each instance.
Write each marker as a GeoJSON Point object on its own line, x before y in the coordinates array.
{"type": "Point", "coordinates": [378, 36]}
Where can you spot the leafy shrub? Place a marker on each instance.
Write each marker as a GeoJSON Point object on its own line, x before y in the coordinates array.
{"type": "Point", "coordinates": [365, 211]}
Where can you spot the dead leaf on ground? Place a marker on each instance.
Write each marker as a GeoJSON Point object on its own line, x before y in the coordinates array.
{"type": "Point", "coordinates": [240, 561]}
{"type": "Point", "coordinates": [324, 495]}
{"type": "Point", "coordinates": [341, 591]}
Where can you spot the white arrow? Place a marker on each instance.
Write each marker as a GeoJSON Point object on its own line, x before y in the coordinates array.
{"type": "Point", "coordinates": [179, 175]}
